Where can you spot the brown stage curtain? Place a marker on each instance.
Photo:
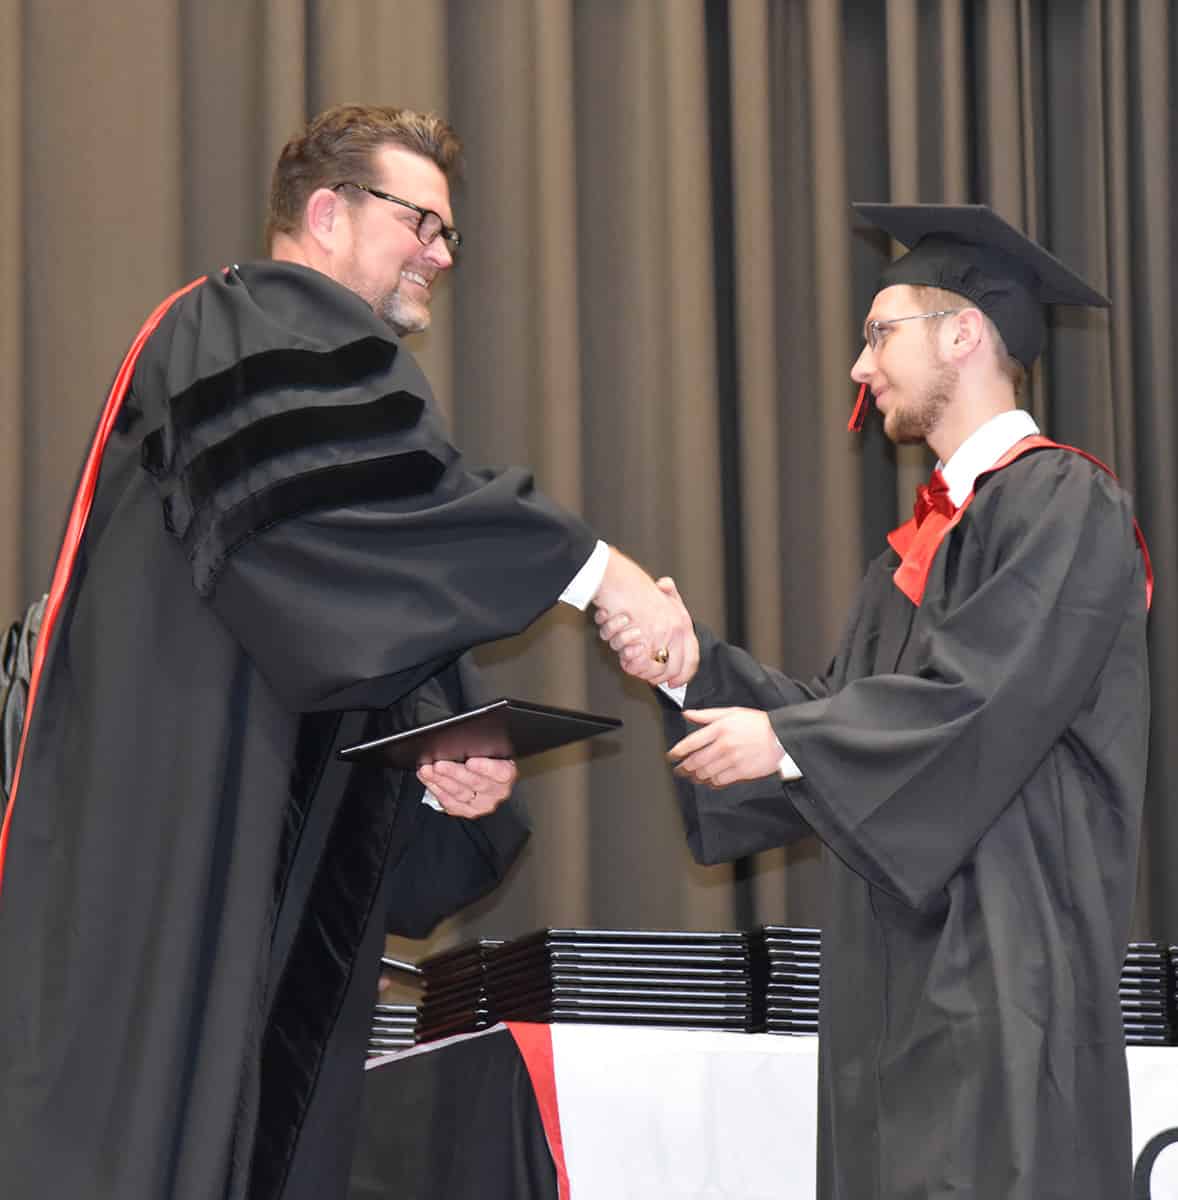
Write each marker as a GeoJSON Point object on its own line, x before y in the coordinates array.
{"type": "Point", "coordinates": [657, 311]}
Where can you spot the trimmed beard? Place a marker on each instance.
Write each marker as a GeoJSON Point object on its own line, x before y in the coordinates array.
{"type": "Point", "coordinates": [403, 315]}
{"type": "Point", "coordinates": [914, 422]}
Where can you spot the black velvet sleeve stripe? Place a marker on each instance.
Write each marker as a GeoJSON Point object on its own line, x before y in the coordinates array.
{"type": "Point", "coordinates": [215, 395]}
{"type": "Point", "coordinates": [272, 370]}
{"type": "Point", "coordinates": [390, 477]}
{"type": "Point", "coordinates": [302, 429]}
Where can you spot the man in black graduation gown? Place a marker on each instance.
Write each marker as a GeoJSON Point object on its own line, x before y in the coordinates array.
{"type": "Point", "coordinates": [275, 551]}
{"type": "Point", "coordinates": [973, 759]}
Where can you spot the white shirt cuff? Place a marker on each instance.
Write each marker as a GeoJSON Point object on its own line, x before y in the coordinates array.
{"type": "Point", "coordinates": [788, 769]}
{"type": "Point", "coordinates": [586, 582]}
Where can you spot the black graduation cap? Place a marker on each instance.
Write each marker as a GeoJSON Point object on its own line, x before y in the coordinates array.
{"type": "Point", "coordinates": [969, 249]}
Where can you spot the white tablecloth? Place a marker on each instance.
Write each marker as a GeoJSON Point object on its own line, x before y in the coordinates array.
{"type": "Point", "coordinates": [675, 1114]}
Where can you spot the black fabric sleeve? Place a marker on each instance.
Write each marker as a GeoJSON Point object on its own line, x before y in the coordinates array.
{"type": "Point", "coordinates": [731, 677]}
{"type": "Point", "coordinates": [325, 515]}
{"type": "Point", "coordinates": [449, 863]}
{"type": "Point", "coordinates": [903, 774]}
{"type": "Point", "coordinates": [340, 608]}
{"type": "Point", "coordinates": [727, 823]}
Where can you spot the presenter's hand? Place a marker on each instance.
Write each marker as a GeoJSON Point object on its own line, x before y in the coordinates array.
{"type": "Point", "coordinates": [733, 745]}
{"type": "Point", "coordinates": [470, 789]}
{"type": "Point", "coordinates": [642, 620]}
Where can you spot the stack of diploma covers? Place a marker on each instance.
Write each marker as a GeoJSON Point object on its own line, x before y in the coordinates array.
{"type": "Point", "coordinates": [614, 977]}
{"type": "Point", "coordinates": [394, 1027]}
{"type": "Point", "coordinates": [624, 977]}
{"type": "Point", "coordinates": [763, 981]}
{"type": "Point", "coordinates": [1148, 996]}
{"type": "Point", "coordinates": [455, 996]}
{"type": "Point", "coordinates": [787, 963]}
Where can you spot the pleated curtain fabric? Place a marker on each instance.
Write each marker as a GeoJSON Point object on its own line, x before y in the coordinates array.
{"type": "Point", "coordinates": [657, 307]}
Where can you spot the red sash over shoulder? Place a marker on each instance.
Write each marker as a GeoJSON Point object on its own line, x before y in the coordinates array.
{"type": "Point", "coordinates": [83, 499]}
{"type": "Point", "coordinates": [917, 543]}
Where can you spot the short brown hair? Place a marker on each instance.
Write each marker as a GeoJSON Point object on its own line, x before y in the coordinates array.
{"type": "Point", "coordinates": [937, 299]}
{"type": "Point", "coordinates": [338, 145]}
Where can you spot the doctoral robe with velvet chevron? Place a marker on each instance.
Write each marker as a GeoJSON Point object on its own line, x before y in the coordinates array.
{"type": "Point", "coordinates": [284, 554]}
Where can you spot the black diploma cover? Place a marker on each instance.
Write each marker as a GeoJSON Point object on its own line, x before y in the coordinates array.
{"type": "Point", "coordinates": [502, 729]}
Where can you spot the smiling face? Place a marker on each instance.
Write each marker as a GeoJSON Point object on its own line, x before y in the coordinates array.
{"type": "Point", "coordinates": [911, 380]}
{"type": "Point", "coordinates": [382, 260]}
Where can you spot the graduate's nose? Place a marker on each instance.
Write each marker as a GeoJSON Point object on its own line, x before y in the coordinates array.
{"type": "Point", "coordinates": [864, 365]}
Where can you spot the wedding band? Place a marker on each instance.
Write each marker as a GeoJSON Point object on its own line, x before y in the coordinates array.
{"type": "Point", "coordinates": [661, 655]}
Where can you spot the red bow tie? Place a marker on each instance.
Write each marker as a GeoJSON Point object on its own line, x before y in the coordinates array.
{"type": "Point", "coordinates": [933, 497]}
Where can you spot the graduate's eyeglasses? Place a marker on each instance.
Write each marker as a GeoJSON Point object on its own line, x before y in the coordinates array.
{"type": "Point", "coordinates": [874, 332]}
{"type": "Point", "coordinates": [429, 224]}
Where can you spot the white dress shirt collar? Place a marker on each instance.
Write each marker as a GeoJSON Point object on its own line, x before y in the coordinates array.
{"type": "Point", "coordinates": [982, 449]}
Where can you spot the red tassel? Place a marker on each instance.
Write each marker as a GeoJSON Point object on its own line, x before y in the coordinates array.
{"type": "Point", "coordinates": [855, 424]}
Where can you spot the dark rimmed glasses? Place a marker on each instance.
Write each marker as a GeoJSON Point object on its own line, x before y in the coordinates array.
{"type": "Point", "coordinates": [875, 331]}
{"type": "Point", "coordinates": [429, 224]}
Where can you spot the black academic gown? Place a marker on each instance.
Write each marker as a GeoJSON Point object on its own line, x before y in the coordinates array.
{"type": "Point", "coordinates": [284, 554]}
{"type": "Point", "coordinates": [976, 769]}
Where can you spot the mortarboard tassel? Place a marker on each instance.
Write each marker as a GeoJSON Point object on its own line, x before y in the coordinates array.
{"type": "Point", "coordinates": [855, 424]}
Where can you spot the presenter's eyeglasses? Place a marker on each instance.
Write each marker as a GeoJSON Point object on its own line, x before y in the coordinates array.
{"type": "Point", "coordinates": [429, 224]}
{"type": "Point", "coordinates": [874, 332]}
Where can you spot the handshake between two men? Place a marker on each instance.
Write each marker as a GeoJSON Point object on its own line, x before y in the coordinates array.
{"type": "Point", "coordinates": [646, 622]}
{"type": "Point", "coordinates": [654, 637]}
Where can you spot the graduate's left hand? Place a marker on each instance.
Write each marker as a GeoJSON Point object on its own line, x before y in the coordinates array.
{"type": "Point", "coordinates": [470, 789]}
{"type": "Point", "coordinates": [733, 745]}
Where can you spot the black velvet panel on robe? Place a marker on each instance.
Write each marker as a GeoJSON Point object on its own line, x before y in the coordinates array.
{"type": "Point", "coordinates": [976, 769]}
{"type": "Point", "coordinates": [429, 864]}
{"type": "Point", "coordinates": [282, 539]}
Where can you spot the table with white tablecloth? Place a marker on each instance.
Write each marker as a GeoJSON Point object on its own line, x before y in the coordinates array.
{"type": "Point", "coordinates": [632, 1111]}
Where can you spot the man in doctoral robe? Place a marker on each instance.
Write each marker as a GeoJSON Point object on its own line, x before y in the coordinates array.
{"type": "Point", "coordinates": [973, 759]}
{"type": "Point", "coordinates": [275, 551]}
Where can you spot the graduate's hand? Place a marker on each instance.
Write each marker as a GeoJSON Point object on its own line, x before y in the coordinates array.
{"type": "Point", "coordinates": [733, 745]}
{"type": "Point", "coordinates": [636, 626]}
{"type": "Point", "coordinates": [470, 789]}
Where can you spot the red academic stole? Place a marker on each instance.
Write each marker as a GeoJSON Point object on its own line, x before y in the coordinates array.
{"type": "Point", "coordinates": [917, 540]}
{"type": "Point", "coordinates": [83, 499]}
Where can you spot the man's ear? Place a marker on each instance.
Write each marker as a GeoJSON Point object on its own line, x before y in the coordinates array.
{"type": "Point", "coordinates": [323, 215]}
{"type": "Point", "coordinates": [969, 327]}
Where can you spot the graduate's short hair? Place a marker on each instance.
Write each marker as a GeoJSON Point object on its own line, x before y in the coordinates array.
{"type": "Point", "coordinates": [936, 299]}
{"type": "Point", "coordinates": [338, 146]}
